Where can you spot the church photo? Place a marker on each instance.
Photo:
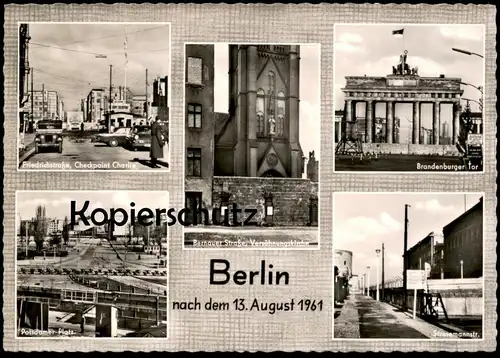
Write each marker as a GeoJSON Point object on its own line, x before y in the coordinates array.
{"type": "Point", "coordinates": [252, 145]}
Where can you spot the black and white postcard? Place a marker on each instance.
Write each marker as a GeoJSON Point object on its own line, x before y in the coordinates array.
{"type": "Point", "coordinates": [408, 266]}
{"type": "Point", "coordinates": [94, 96]}
{"type": "Point", "coordinates": [409, 97]}
{"type": "Point", "coordinates": [91, 264]}
{"type": "Point", "coordinates": [252, 137]}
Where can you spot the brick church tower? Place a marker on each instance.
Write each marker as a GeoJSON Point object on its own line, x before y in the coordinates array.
{"type": "Point", "coordinates": [260, 137]}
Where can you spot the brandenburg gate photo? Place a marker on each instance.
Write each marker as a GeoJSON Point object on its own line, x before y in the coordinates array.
{"type": "Point", "coordinates": [404, 85]}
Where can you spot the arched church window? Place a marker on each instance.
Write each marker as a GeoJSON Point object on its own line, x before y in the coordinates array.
{"type": "Point", "coordinates": [260, 123]}
{"type": "Point", "coordinates": [280, 122]}
{"type": "Point", "coordinates": [261, 127]}
{"type": "Point", "coordinates": [272, 80]}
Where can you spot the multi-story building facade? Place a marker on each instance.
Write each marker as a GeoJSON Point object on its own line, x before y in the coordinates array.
{"type": "Point", "coordinates": [53, 105]}
{"type": "Point", "coordinates": [24, 71]}
{"type": "Point", "coordinates": [94, 108]}
{"type": "Point", "coordinates": [54, 226]}
{"type": "Point", "coordinates": [199, 125]}
{"type": "Point", "coordinates": [160, 99]}
{"type": "Point", "coordinates": [47, 105]}
{"type": "Point", "coordinates": [83, 109]}
{"type": "Point", "coordinates": [119, 94]}
{"type": "Point", "coordinates": [139, 105]}
{"type": "Point", "coordinates": [427, 251]}
{"type": "Point", "coordinates": [463, 244]}
{"type": "Point", "coordinates": [40, 105]}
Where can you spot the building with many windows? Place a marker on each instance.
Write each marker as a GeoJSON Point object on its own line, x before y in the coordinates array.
{"type": "Point", "coordinates": [94, 108]}
{"type": "Point", "coordinates": [463, 244]}
{"type": "Point", "coordinates": [47, 105]}
{"type": "Point", "coordinates": [24, 71]}
{"type": "Point", "coordinates": [427, 251]}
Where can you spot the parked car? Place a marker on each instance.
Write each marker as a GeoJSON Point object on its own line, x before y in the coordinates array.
{"type": "Point", "coordinates": [118, 137]}
{"type": "Point", "coordinates": [139, 137]}
{"type": "Point", "coordinates": [49, 135]}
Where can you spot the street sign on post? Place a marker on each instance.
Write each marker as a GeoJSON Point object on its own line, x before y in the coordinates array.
{"type": "Point", "coordinates": [475, 139]}
{"type": "Point", "coordinates": [415, 280]}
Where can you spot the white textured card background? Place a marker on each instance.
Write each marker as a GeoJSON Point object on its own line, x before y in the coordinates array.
{"type": "Point", "coordinates": [310, 271]}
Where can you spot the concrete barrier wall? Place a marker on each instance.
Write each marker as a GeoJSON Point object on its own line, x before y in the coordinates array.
{"type": "Point", "coordinates": [417, 149]}
{"type": "Point", "coordinates": [461, 297]}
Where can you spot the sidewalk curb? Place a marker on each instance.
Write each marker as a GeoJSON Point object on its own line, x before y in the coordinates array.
{"type": "Point", "coordinates": [26, 155]}
{"type": "Point", "coordinates": [347, 324]}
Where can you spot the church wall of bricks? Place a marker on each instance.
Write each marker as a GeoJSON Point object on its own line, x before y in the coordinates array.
{"type": "Point", "coordinates": [291, 198]}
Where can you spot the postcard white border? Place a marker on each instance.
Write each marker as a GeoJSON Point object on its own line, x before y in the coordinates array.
{"type": "Point", "coordinates": [169, 99]}
{"type": "Point", "coordinates": [422, 172]}
{"type": "Point", "coordinates": [113, 339]}
{"type": "Point", "coordinates": [333, 266]}
{"type": "Point", "coordinates": [270, 248]}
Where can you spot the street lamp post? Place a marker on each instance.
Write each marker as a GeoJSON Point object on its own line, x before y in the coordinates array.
{"type": "Point", "coordinates": [368, 283]}
{"type": "Point", "coordinates": [473, 100]}
{"type": "Point", "coordinates": [461, 269]}
{"type": "Point", "coordinates": [465, 52]}
{"type": "Point", "coordinates": [479, 88]}
{"type": "Point", "coordinates": [378, 253]}
{"type": "Point", "coordinates": [383, 272]}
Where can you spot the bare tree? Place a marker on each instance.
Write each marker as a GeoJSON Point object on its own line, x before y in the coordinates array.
{"type": "Point", "coordinates": [129, 228]}
{"type": "Point", "coordinates": [65, 230]}
{"type": "Point", "coordinates": [40, 226]}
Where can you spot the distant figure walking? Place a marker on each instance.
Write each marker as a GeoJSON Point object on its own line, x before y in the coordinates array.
{"type": "Point", "coordinates": [82, 324]}
{"type": "Point", "coordinates": [157, 142]}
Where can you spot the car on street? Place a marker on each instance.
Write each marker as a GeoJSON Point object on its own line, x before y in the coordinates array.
{"type": "Point", "coordinates": [49, 134]}
{"type": "Point", "coordinates": [139, 137]}
{"type": "Point", "coordinates": [114, 139]}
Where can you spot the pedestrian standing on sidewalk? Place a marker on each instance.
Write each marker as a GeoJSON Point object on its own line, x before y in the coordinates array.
{"type": "Point", "coordinates": [82, 324]}
{"type": "Point", "coordinates": [157, 143]}
{"type": "Point", "coordinates": [164, 133]}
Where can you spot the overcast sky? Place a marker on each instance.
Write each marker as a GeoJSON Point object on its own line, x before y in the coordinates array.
{"type": "Point", "coordinates": [58, 204]}
{"type": "Point", "coordinates": [74, 73]}
{"type": "Point", "coordinates": [310, 87]}
{"type": "Point", "coordinates": [362, 222]}
{"type": "Point", "coordinates": [372, 50]}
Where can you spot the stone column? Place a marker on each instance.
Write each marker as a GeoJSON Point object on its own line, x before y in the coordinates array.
{"type": "Point", "coordinates": [369, 121]}
{"type": "Point", "coordinates": [252, 110]}
{"type": "Point", "coordinates": [241, 116]}
{"type": "Point", "coordinates": [346, 126]}
{"type": "Point", "coordinates": [456, 121]}
{"type": "Point", "coordinates": [293, 111]}
{"type": "Point", "coordinates": [416, 122]}
{"type": "Point", "coordinates": [436, 122]}
{"type": "Point", "coordinates": [389, 122]}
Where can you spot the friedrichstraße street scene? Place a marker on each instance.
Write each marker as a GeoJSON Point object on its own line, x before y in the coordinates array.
{"type": "Point", "coordinates": [259, 155]}
{"type": "Point", "coordinates": [408, 266]}
{"type": "Point", "coordinates": [86, 280]}
{"type": "Point", "coordinates": [94, 96]}
{"type": "Point", "coordinates": [403, 104]}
